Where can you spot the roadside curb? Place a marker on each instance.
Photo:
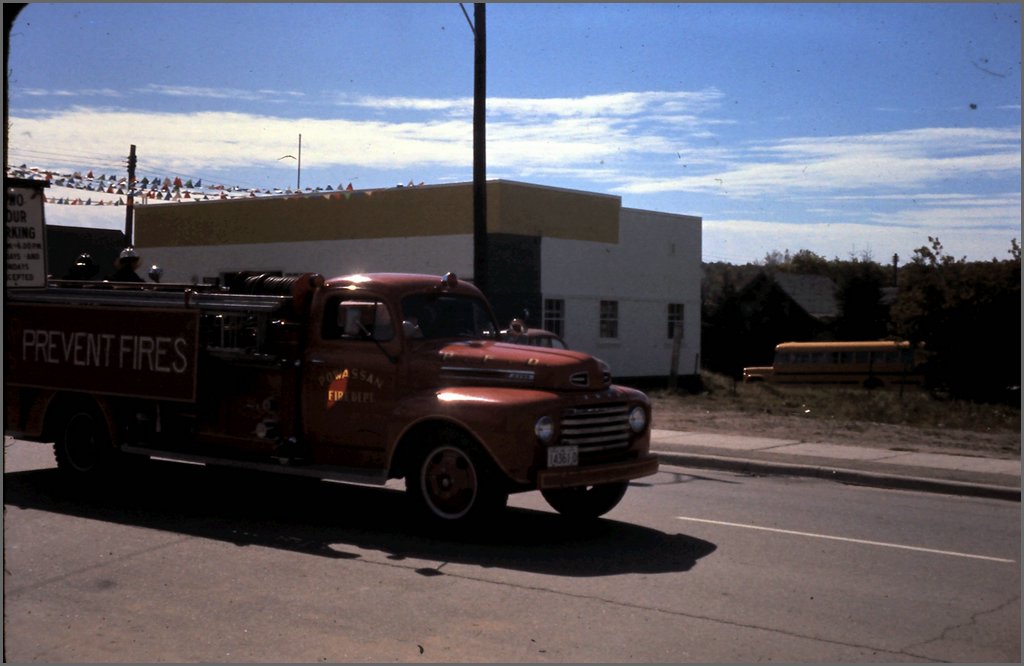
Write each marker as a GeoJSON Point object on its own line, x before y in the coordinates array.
{"type": "Point", "coordinates": [842, 475]}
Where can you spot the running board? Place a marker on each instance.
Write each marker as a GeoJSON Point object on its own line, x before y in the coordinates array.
{"type": "Point", "coordinates": [326, 472]}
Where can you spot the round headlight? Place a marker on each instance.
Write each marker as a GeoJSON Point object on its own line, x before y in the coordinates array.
{"type": "Point", "coordinates": [637, 419]}
{"type": "Point", "coordinates": [544, 429]}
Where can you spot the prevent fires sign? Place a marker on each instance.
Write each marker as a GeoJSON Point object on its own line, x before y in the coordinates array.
{"type": "Point", "coordinates": [115, 351]}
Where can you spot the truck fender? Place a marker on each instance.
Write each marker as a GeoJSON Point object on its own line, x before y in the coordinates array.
{"type": "Point", "coordinates": [61, 405]}
{"type": "Point", "coordinates": [427, 428]}
{"type": "Point", "coordinates": [26, 412]}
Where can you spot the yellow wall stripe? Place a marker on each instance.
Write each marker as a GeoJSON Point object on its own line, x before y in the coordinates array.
{"type": "Point", "coordinates": [433, 210]}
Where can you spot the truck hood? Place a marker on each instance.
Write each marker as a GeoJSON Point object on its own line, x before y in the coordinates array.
{"type": "Point", "coordinates": [488, 363]}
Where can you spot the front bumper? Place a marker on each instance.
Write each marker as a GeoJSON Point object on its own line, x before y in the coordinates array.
{"type": "Point", "coordinates": [566, 477]}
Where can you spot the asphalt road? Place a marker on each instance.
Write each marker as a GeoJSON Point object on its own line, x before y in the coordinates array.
{"type": "Point", "coordinates": [184, 564]}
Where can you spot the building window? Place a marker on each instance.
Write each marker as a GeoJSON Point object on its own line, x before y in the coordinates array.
{"type": "Point", "coordinates": [675, 318]}
{"type": "Point", "coordinates": [554, 315]}
{"type": "Point", "coordinates": [609, 319]}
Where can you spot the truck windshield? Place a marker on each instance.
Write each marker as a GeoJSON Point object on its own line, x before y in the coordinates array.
{"type": "Point", "coordinates": [434, 316]}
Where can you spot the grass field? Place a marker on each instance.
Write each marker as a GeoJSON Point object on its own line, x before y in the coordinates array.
{"type": "Point", "coordinates": [911, 406]}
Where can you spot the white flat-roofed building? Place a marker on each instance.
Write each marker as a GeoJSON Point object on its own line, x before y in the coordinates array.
{"type": "Point", "coordinates": [614, 282]}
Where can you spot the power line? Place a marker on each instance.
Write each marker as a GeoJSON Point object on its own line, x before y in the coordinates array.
{"type": "Point", "coordinates": [41, 161]}
{"type": "Point", "coordinates": [70, 162]}
{"type": "Point", "coordinates": [468, 20]}
{"type": "Point", "coordinates": [25, 156]}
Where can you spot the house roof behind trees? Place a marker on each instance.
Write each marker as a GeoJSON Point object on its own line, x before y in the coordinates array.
{"type": "Point", "coordinates": [815, 294]}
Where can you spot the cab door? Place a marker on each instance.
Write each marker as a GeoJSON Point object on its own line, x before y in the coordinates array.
{"type": "Point", "coordinates": [350, 383]}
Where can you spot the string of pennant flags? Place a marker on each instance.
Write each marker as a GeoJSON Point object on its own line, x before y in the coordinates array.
{"type": "Point", "coordinates": [165, 189]}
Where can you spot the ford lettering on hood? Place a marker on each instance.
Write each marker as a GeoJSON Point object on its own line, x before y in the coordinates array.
{"type": "Point", "coordinates": [488, 363]}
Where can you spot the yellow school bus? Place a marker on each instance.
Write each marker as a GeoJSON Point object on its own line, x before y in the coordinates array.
{"type": "Point", "coordinates": [866, 363]}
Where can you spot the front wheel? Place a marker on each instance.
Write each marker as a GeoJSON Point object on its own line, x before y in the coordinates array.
{"type": "Point", "coordinates": [586, 501]}
{"type": "Point", "coordinates": [452, 482]}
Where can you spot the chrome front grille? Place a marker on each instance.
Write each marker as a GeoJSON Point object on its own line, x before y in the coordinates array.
{"type": "Point", "coordinates": [598, 428]}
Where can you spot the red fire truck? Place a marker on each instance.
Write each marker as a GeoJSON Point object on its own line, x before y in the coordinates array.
{"type": "Point", "coordinates": [361, 378]}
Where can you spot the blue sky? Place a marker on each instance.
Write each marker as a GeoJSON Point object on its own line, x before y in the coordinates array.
{"type": "Point", "coordinates": [850, 130]}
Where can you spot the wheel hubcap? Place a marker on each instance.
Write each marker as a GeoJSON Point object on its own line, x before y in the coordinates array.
{"type": "Point", "coordinates": [449, 482]}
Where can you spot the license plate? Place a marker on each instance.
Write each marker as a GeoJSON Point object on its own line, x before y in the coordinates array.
{"type": "Point", "coordinates": [563, 456]}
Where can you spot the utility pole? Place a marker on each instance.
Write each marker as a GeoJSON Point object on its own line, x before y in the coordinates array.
{"type": "Point", "coordinates": [480, 277]}
{"type": "Point", "coordinates": [129, 214]}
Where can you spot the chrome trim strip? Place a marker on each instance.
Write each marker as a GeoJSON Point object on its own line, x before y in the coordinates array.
{"type": "Point", "coordinates": [516, 376]}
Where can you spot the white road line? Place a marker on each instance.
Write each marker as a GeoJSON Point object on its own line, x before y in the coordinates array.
{"type": "Point", "coordinates": [849, 540]}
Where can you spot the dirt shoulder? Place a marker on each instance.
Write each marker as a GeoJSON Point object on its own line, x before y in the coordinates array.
{"type": "Point", "coordinates": [693, 414]}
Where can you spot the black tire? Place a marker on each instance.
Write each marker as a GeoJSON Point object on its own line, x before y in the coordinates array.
{"type": "Point", "coordinates": [586, 501]}
{"type": "Point", "coordinates": [451, 482]}
{"type": "Point", "coordinates": [83, 447]}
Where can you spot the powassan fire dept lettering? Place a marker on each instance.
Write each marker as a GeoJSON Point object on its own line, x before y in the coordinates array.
{"type": "Point", "coordinates": [339, 386]}
{"type": "Point", "coordinates": [143, 353]}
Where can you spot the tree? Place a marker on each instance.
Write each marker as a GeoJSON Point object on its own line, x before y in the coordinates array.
{"type": "Point", "coordinates": [806, 262]}
{"type": "Point", "coordinates": [722, 323]}
{"type": "Point", "coordinates": [864, 314]}
{"type": "Point", "coordinates": [966, 316]}
{"type": "Point", "coordinates": [803, 262]}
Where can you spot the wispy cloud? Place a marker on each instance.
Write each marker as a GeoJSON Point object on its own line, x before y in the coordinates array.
{"type": "Point", "coordinates": [667, 105]}
{"type": "Point", "coordinates": [636, 144]}
{"type": "Point", "coordinates": [198, 142]}
{"type": "Point", "coordinates": [83, 92]}
{"type": "Point", "coordinates": [617, 105]}
{"type": "Point", "coordinates": [876, 162]}
{"type": "Point", "coordinates": [196, 93]}
{"type": "Point", "coordinates": [574, 134]}
{"type": "Point", "coordinates": [234, 94]}
{"type": "Point", "coordinates": [961, 212]}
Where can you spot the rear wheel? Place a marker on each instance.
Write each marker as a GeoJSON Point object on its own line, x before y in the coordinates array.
{"type": "Point", "coordinates": [453, 482]}
{"type": "Point", "coordinates": [83, 445]}
{"type": "Point", "coordinates": [586, 501]}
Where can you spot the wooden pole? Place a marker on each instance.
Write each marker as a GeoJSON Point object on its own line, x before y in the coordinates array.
{"type": "Point", "coordinates": [480, 277]}
{"type": "Point", "coordinates": [677, 345]}
{"type": "Point", "coordinates": [129, 214]}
